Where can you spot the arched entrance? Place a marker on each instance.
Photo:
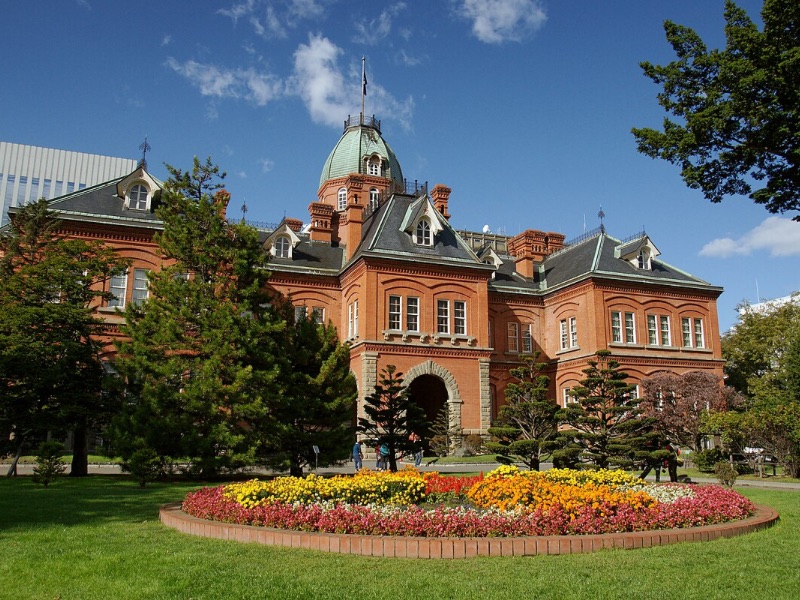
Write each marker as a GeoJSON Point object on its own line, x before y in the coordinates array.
{"type": "Point", "coordinates": [429, 392]}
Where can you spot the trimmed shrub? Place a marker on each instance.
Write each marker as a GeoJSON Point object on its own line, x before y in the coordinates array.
{"type": "Point", "coordinates": [473, 444]}
{"type": "Point", "coordinates": [707, 459]}
{"type": "Point", "coordinates": [726, 473]}
{"type": "Point", "coordinates": [48, 462]}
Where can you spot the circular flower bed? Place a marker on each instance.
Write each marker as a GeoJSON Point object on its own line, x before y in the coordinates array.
{"type": "Point", "coordinates": [506, 502]}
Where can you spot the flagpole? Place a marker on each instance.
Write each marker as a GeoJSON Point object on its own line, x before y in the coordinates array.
{"type": "Point", "coordinates": [363, 85]}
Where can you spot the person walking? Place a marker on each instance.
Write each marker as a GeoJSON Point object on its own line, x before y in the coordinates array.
{"type": "Point", "coordinates": [358, 456]}
{"type": "Point", "coordinates": [416, 442]}
{"type": "Point", "coordinates": [378, 458]}
{"type": "Point", "coordinates": [671, 463]}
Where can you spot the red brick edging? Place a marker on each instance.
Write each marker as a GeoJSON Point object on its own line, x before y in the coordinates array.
{"type": "Point", "coordinates": [420, 547]}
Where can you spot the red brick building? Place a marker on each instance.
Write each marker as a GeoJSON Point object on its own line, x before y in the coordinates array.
{"type": "Point", "coordinates": [453, 310]}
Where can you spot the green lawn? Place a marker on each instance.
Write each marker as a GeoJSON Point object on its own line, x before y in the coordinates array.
{"type": "Point", "coordinates": [100, 537]}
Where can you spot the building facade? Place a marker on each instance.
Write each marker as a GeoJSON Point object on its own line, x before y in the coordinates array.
{"type": "Point", "coordinates": [453, 310]}
{"type": "Point", "coordinates": [28, 173]}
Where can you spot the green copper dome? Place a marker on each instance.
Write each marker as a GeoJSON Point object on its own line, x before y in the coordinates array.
{"type": "Point", "coordinates": [360, 141]}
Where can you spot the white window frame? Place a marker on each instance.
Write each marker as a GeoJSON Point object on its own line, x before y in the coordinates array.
{"type": "Point", "coordinates": [138, 197]}
{"type": "Point", "coordinates": [374, 166]}
{"type": "Point", "coordinates": [566, 397]}
{"type": "Point", "coordinates": [616, 326]}
{"type": "Point", "coordinates": [443, 317]}
{"type": "Point", "coordinates": [395, 313]}
{"type": "Point", "coordinates": [141, 286]}
{"type": "Point", "coordinates": [282, 247]}
{"type": "Point", "coordinates": [513, 336]}
{"type": "Point", "coordinates": [526, 336]}
{"type": "Point", "coordinates": [686, 332]}
{"type": "Point", "coordinates": [630, 328]}
{"type": "Point", "coordinates": [459, 317]}
{"type": "Point", "coordinates": [564, 334]}
{"type": "Point", "coordinates": [698, 331]}
{"type": "Point", "coordinates": [318, 314]}
{"type": "Point", "coordinates": [422, 233]}
{"type": "Point", "coordinates": [341, 199]}
{"type": "Point", "coordinates": [118, 286]}
{"type": "Point", "coordinates": [300, 312]}
{"type": "Point", "coordinates": [665, 330]}
{"type": "Point", "coordinates": [374, 198]}
{"type": "Point", "coordinates": [412, 313]}
{"type": "Point", "coordinates": [652, 330]}
{"type": "Point", "coordinates": [573, 332]}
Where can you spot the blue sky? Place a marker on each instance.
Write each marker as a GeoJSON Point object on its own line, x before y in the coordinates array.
{"type": "Point", "coordinates": [522, 107]}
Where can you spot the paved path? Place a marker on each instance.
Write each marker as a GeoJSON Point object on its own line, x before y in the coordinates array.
{"type": "Point", "coordinates": [112, 469]}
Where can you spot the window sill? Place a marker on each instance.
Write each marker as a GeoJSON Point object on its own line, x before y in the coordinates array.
{"type": "Point", "coordinates": [110, 309]}
{"type": "Point", "coordinates": [568, 350]}
{"type": "Point", "coordinates": [666, 348]}
{"type": "Point", "coordinates": [624, 345]}
{"type": "Point", "coordinates": [427, 338]}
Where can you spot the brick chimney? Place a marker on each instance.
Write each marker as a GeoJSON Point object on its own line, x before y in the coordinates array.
{"type": "Point", "coordinates": [294, 224]}
{"type": "Point", "coordinates": [440, 194]}
{"type": "Point", "coordinates": [353, 226]}
{"type": "Point", "coordinates": [221, 199]}
{"type": "Point", "coordinates": [321, 222]}
{"type": "Point", "coordinates": [531, 247]}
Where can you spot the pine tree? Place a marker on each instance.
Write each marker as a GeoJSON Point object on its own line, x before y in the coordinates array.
{"type": "Point", "coordinates": [200, 357]}
{"type": "Point", "coordinates": [526, 427]}
{"type": "Point", "coordinates": [51, 377]}
{"type": "Point", "coordinates": [604, 425]}
{"type": "Point", "coordinates": [317, 398]}
{"type": "Point", "coordinates": [392, 416]}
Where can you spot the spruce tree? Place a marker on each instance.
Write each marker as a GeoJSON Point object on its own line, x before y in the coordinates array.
{"type": "Point", "coordinates": [526, 427]}
{"type": "Point", "coordinates": [392, 416]}
{"type": "Point", "coordinates": [317, 396]}
{"type": "Point", "coordinates": [199, 362]}
{"type": "Point", "coordinates": [604, 425]}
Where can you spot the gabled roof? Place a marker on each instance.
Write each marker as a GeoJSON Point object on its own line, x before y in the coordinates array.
{"type": "Point", "coordinates": [384, 236]}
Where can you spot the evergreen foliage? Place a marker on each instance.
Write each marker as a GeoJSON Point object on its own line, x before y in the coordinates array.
{"type": "Point", "coordinates": [442, 434]}
{"type": "Point", "coordinates": [199, 363]}
{"type": "Point", "coordinates": [737, 110]}
{"type": "Point", "coordinates": [317, 396]}
{"type": "Point", "coordinates": [526, 428]}
{"type": "Point", "coordinates": [51, 377]}
{"type": "Point", "coordinates": [48, 463]}
{"type": "Point", "coordinates": [392, 416]}
{"type": "Point", "coordinates": [604, 425]}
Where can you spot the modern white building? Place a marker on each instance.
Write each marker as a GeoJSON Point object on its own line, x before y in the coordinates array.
{"type": "Point", "coordinates": [28, 173]}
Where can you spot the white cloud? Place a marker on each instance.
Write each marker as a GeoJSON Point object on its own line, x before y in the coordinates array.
{"type": "Point", "coordinates": [374, 31]}
{"type": "Point", "coordinates": [166, 40]}
{"type": "Point", "coordinates": [330, 96]}
{"type": "Point", "coordinates": [266, 165]}
{"type": "Point", "coordinates": [249, 84]}
{"type": "Point", "coordinates": [271, 19]}
{"type": "Point", "coordinates": [779, 235]}
{"type": "Point", "coordinates": [498, 21]}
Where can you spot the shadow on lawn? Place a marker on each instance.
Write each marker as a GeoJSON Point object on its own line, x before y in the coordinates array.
{"type": "Point", "coordinates": [94, 499]}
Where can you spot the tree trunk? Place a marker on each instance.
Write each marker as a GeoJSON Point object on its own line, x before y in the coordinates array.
{"type": "Point", "coordinates": [80, 452]}
{"type": "Point", "coordinates": [12, 470]}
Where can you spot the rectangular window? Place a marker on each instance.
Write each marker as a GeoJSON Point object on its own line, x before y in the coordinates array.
{"type": "Point", "coordinates": [70, 187]}
{"type": "Point", "coordinates": [318, 314]}
{"type": "Point", "coordinates": [352, 320]}
{"type": "Point", "coordinates": [140, 286]}
{"type": "Point", "coordinates": [35, 194]}
{"type": "Point", "coordinates": [526, 329]}
{"type": "Point", "coordinates": [566, 397]}
{"type": "Point", "coordinates": [513, 337]}
{"type": "Point", "coordinates": [59, 187]}
{"type": "Point", "coordinates": [48, 183]}
{"type": "Point", "coordinates": [443, 316]}
{"type": "Point", "coordinates": [412, 314]}
{"type": "Point", "coordinates": [616, 327]}
{"type": "Point", "coordinates": [686, 330]}
{"type": "Point", "coordinates": [630, 329]}
{"type": "Point", "coordinates": [652, 333]}
{"type": "Point", "coordinates": [118, 288]}
{"type": "Point", "coordinates": [564, 334]}
{"type": "Point", "coordinates": [299, 313]}
{"type": "Point", "coordinates": [394, 313]}
{"type": "Point", "coordinates": [666, 338]}
{"type": "Point", "coordinates": [699, 338]}
{"type": "Point", "coordinates": [9, 189]}
{"type": "Point", "coordinates": [460, 317]}
{"type": "Point", "coordinates": [573, 332]}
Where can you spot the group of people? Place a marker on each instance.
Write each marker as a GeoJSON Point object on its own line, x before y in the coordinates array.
{"type": "Point", "coordinates": [382, 454]}
{"type": "Point", "coordinates": [669, 464]}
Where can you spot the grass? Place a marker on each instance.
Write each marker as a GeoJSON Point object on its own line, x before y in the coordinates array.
{"type": "Point", "coordinates": [99, 537]}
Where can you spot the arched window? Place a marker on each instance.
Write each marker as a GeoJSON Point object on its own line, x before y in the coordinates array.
{"type": "Point", "coordinates": [424, 237]}
{"type": "Point", "coordinates": [283, 247]}
{"type": "Point", "coordinates": [137, 197]}
{"type": "Point", "coordinates": [341, 203]}
{"type": "Point", "coordinates": [373, 198]}
{"type": "Point", "coordinates": [374, 166]}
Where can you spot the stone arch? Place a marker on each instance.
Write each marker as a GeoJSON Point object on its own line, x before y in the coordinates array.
{"type": "Point", "coordinates": [429, 367]}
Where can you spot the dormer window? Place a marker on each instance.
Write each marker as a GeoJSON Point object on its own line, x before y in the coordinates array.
{"type": "Point", "coordinates": [374, 166]}
{"type": "Point", "coordinates": [341, 199]}
{"type": "Point", "coordinates": [137, 197]}
{"type": "Point", "coordinates": [283, 247]}
{"type": "Point", "coordinates": [423, 235]}
{"type": "Point", "coordinates": [644, 259]}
